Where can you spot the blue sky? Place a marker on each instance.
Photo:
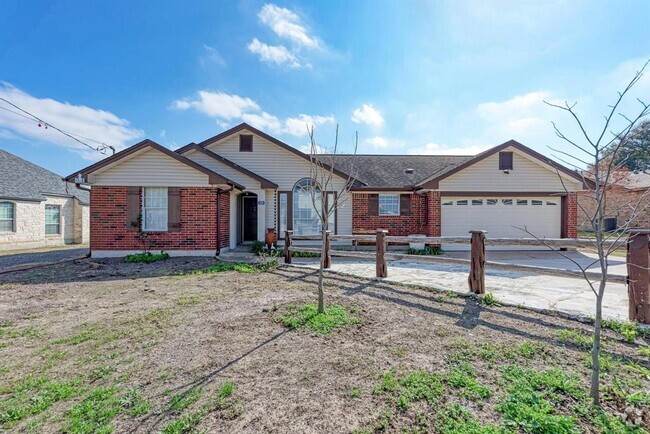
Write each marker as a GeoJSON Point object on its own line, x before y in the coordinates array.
{"type": "Point", "coordinates": [452, 77]}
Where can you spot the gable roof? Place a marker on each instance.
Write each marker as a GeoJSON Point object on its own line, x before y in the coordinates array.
{"type": "Point", "coordinates": [265, 183]}
{"type": "Point", "coordinates": [244, 126]}
{"type": "Point", "coordinates": [389, 171]}
{"type": "Point", "coordinates": [213, 177]}
{"type": "Point", "coordinates": [20, 179]}
{"type": "Point", "coordinates": [433, 181]}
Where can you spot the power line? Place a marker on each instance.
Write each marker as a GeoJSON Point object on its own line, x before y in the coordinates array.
{"type": "Point", "coordinates": [102, 148]}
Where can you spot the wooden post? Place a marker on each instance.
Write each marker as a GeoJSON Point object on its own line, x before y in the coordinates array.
{"type": "Point", "coordinates": [476, 278]}
{"type": "Point", "coordinates": [381, 246]}
{"type": "Point", "coordinates": [327, 261]}
{"type": "Point", "coordinates": [287, 244]}
{"type": "Point", "coordinates": [638, 275]}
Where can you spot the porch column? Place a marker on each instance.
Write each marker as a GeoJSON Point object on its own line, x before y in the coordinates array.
{"type": "Point", "coordinates": [261, 214]}
{"type": "Point", "coordinates": [233, 220]}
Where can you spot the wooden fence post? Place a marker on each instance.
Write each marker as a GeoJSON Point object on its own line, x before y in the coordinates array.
{"type": "Point", "coordinates": [638, 275]}
{"type": "Point", "coordinates": [287, 244]}
{"type": "Point", "coordinates": [381, 245]}
{"type": "Point", "coordinates": [327, 262]}
{"type": "Point", "coordinates": [476, 278]}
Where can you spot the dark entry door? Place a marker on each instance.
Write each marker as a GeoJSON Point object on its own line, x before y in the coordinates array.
{"type": "Point", "coordinates": [250, 219]}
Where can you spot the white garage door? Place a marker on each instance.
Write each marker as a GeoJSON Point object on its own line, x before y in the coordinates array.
{"type": "Point", "coordinates": [501, 217]}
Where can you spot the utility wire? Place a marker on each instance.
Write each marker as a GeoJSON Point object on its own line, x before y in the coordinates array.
{"type": "Point", "coordinates": [102, 148]}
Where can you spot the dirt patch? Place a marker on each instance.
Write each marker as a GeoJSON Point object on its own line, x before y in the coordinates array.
{"type": "Point", "coordinates": [169, 342]}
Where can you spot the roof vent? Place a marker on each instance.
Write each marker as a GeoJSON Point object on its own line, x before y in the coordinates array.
{"type": "Point", "coordinates": [409, 171]}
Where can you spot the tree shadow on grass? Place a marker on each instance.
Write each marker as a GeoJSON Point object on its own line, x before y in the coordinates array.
{"type": "Point", "coordinates": [466, 311]}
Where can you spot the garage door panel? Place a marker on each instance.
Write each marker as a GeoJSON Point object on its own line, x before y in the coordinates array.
{"type": "Point", "coordinates": [503, 217]}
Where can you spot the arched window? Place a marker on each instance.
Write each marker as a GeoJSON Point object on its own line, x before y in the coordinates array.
{"type": "Point", "coordinates": [306, 220]}
{"type": "Point", "coordinates": [7, 217]}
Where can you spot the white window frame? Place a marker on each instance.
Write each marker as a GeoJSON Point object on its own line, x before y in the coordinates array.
{"type": "Point", "coordinates": [13, 216]}
{"type": "Point", "coordinates": [162, 227]}
{"type": "Point", "coordinates": [394, 198]}
{"type": "Point", "coordinates": [58, 229]}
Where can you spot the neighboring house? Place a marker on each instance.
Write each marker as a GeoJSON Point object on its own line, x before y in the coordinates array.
{"type": "Point", "coordinates": [38, 208]}
{"type": "Point", "coordinates": [627, 200]}
{"type": "Point", "coordinates": [207, 197]}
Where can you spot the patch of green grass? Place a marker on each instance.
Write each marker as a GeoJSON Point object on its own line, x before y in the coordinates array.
{"type": "Point", "coordinates": [102, 372]}
{"type": "Point", "coordinates": [463, 376]}
{"type": "Point", "coordinates": [627, 329]}
{"type": "Point", "coordinates": [354, 392]}
{"type": "Point", "coordinates": [453, 419]}
{"type": "Point", "coordinates": [95, 413]}
{"type": "Point", "coordinates": [226, 389]}
{"type": "Point", "coordinates": [188, 300]}
{"type": "Point", "coordinates": [644, 350]}
{"type": "Point", "coordinates": [221, 267]}
{"type": "Point", "coordinates": [399, 352]}
{"type": "Point", "coordinates": [307, 316]}
{"type": "Point", "coordinates": [184, 424]}
{"type": "Point", "coordinates": [416, 386]}
{"type": "Point", "coordinates": [134, 403]}
{"type": "Point", "coordinates": [146, 257]}
{"type": "Point", "coordinates": [34, 395]}
{"type": "Point", "coordinates": [427, 251]}
{"type": "Point", "coordinates": [529, 350]}
{"type": "Point", "coordinates": [576, 338]}
{"type": "Point", "coordinates": [607, 362]}
{"type": "Point", "coordinates": [532, 397]}
{"type": "Point", "coordinates": [183, 400]}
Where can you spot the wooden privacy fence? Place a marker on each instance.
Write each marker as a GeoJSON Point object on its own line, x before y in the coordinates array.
{"type": "Point", "coordinates": [638, 258]}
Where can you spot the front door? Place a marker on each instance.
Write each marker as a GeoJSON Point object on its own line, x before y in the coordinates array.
{"type": "Point", "coordinates": [249, 224]}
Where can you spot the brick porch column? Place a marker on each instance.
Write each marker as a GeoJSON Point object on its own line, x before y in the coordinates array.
{"type": "Point", "coordinates": [433, 214]}
{"type": "Point", "coordinates": [572, 215]}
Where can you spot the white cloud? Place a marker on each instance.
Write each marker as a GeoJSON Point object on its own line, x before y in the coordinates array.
{"type": "Point", "coordinates": [276, 54]}
{"type": "Point", "coordinates": [212, 56]}
{"type": "Point", "coordinates": [218, 104]}
{"type": "Point", "coordinates": [367, 114]}
{"type": "Point", "coordinates": [226, 108]}
{"type": "Point", "coordinates": [94, 124]}
{"type": "Point", "coordinates": [299, 126]}
{"type": "Point", "coordinates": [383, 143]}
{"type": "Point", "coordinates": [287, 25]}
{"type": "Point", "coordinates": [439, 149]}
{"type": "Point", "coordinates": [263, 121]}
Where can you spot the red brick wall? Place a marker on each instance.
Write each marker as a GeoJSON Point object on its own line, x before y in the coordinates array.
{"type": "Point", "coordinates": [108, 226]}
{"type": "Point", "coordinates": [572, 215]}
{"type": "Point", "coordinates": [415, 223]}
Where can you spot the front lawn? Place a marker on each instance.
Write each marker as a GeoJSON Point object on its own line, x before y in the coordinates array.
{"type": "Point", "coordinates": [193, 345]}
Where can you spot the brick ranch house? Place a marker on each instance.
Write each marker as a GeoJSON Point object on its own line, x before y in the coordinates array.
{"type": "Point", "coordinates": [627, 200]}
{"type": "Point", "coordinates": [205, 198]}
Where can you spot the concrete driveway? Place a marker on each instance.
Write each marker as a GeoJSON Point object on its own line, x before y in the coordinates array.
{"type": "Point", "coordinates": [18, 259]}
{"type": "Point", "coordinates": [546, 258]}
{"type": "Point", "coordinates": [544, 292]}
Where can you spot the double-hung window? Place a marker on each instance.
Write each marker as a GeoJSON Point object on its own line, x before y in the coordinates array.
{"type": "Point", "coordinates": [52, 220]}
{"type": "Point", "coordinates": [389, 204]}
{"type": "Point", "coordinates": [7, 217]}
{"type": "Point", "coordinates": [154, 209]}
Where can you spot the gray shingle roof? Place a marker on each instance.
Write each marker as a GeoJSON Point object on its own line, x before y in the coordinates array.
{"type": "Point", "coordinates": [389, 171]}
{"type": "Point", "coordinates": [20, 179]}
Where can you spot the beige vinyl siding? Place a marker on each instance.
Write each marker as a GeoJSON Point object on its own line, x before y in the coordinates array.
{"type": "Point", "coordinates": [527, 175]}
{"type": "Point", "coordinates": [223, 170]}
{"type": "Point", "coordinates": [150, 168]}
{"type": "Point", "coordinates": [280, 166]}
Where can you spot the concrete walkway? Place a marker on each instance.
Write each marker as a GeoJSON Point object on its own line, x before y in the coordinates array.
{"type": "Point", "coordinates": [567, 295]}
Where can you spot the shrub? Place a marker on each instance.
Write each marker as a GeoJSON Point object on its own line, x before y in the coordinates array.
{"type": "Point", "coordinates": [146, 257]}
{"type": "Point", "coordinates": [427, 251]}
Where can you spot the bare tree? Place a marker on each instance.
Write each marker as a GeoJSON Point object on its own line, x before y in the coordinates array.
{"type": "Point", "coordinates": [598, 151]}
{"type": "Point", "coordinates": [329, 191]}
